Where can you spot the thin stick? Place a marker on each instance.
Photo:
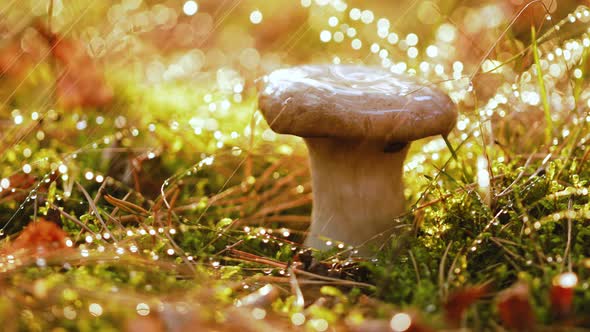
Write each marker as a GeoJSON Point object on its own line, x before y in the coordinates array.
{"type": "Point", "coordinates": [94, 208]}
{"type": "Point", "coordinates": [71, 218]}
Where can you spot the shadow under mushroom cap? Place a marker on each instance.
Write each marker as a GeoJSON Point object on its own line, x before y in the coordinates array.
{"type": "Point", "coordinates": [349, 101]}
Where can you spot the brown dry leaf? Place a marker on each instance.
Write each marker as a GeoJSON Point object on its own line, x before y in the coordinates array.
{"type": "Point", "coordinates": [460, 300]}
{"type": "Point", "coordinates": [41, 236]}
{"type": "Point", "coordinates": [81, 83]}
{"type": "Point", "coordinates": [514, 308]}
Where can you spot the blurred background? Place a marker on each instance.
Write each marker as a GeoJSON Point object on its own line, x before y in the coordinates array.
{"type": "Point", "coordinates": [173, 40]}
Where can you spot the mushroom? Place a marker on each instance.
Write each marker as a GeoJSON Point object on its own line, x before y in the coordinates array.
{"type": "Point", "coordinates": [357, 123]}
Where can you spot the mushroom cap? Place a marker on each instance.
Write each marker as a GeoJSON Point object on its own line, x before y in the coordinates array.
{"type": "Point", "coordinates": [354, 102]}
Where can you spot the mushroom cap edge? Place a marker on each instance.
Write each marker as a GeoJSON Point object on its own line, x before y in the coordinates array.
{"type": "Point", "coordinates": [353, 102]}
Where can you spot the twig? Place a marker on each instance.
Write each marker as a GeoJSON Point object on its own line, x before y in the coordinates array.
{"type": "Point", "coordinates": [510, 252]}
{"type": "Point", "coordinates": [257, 259]}
{"type": "Point", "coordinates": [71, 218]}
{"type": "Point", "coordinates": [94, 208]}
{"type": "Point", "coordinates": [126, 206]}
{"type": "Point", "coordinates": [99, 191]}
{"type": "Point", "coordinates": [285, 206]}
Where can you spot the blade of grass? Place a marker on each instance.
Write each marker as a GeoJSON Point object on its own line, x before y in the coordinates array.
{"type": "Point", "coordinates": [454, 155]}
{"type": "Point", "coordinates": [542, 89]}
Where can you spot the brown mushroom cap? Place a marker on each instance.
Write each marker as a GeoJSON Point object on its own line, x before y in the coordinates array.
{"type": "Point", "coordinates": [354, 102]}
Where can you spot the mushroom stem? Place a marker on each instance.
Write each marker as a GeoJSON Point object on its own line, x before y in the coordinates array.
{"type": "Point", "coordinates": [357, 191]}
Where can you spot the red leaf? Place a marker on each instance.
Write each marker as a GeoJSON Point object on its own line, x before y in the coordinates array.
{"type": "Point", "coordinates": [562, 293]}
{"type": "Point", "coordinates": [460, 300]}
{"type": "Point", "coordinates": [514, 308]}
{"type": "Point", "coordinates": [561, 300]}
{"type": "Point", "coordinates": [41, 236]}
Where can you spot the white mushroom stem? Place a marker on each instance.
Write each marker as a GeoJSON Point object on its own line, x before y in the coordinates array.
{"type": "Point", "coordinates": [357, 191]}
